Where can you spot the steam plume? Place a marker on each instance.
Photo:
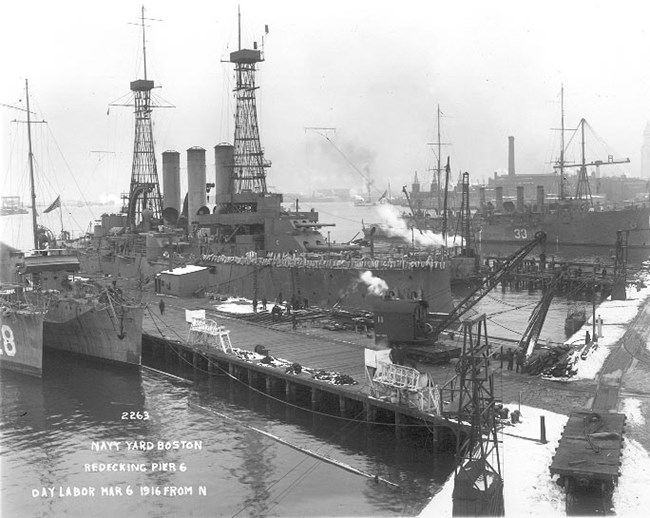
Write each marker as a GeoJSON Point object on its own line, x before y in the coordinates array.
{"type": "Point", "coordinates": [376, 285]}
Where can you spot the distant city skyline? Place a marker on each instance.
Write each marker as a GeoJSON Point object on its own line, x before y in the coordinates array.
{"type": "Point", "coordinates": [374, 71]}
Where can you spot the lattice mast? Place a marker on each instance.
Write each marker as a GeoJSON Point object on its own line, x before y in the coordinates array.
{"type": "Point", "coordinates": [249, 168]}
{"type": "Point", "coordinates": [144, 192]}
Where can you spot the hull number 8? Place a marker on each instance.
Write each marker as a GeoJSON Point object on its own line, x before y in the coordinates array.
{"type": "Point", "coordinates": [8, 343]}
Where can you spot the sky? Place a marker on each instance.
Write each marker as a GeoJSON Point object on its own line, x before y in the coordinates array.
{"type": "Point", "coordinates": [376, 71]}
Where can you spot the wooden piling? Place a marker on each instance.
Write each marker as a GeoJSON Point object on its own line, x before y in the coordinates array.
{"type": "Point", "coordinates": [371, 412]}
{"type": "Point", "coordinates": [342, 406]}
{"type": "Point", "coordinates": [316, 396]}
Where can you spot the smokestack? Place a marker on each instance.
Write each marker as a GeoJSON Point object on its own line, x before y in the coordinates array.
{"type": "Point", "coordinates": [223, 161]}
{"type": "Point", "coordinates": [511, 156]}
{"type": "Point", "coordinates": [540, 198]}
{"type": "Point", "coordinates": [481, 199]}
{"type": "Point", "coordinates": [196, 194]}
{"type": "Point", "coordinates": [171, 169]}
{"type": "Point", "coordinates": [499, 193]}
{"type": "Point", "coordinates": [520, 198]}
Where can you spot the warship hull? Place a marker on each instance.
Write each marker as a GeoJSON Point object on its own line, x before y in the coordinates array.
{"type": "Point", "coordinates": [328, 286]}
{"type": "Point", "coordinates": [22, 341]}
{"type": "Point", "coordinates": [570, 234]}
{"type": "Point", "coordinates": [102, 331]}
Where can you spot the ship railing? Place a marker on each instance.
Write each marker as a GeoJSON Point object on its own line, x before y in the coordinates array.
{"type": "Point", "coordinates": [342, 264]}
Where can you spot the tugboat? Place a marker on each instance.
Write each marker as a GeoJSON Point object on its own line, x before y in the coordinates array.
{"type": "Point", "coordinates": [575, 319]}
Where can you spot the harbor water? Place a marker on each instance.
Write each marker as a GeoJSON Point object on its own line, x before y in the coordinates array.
{"type": "Point", "coordinates": [152, 445]}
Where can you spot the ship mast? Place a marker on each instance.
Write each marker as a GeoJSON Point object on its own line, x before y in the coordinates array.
{"type": "Point", "coordinates": [249, 171]}
{"type": "Point", "coordinates": [144, 192]}
{"type": "Point", "coordinates": [31, 168]}
{"type": "Point", "coordinates": [562, 143]}
{"type": "Point", "coordinates": [439, 169]}
{"type": "Point", "coordinates": [583, 189]}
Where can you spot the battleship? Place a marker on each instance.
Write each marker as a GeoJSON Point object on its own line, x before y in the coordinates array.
{"type": "Point", "coordinates": [252, 245]}
{"type": "Point", "coordinates": [79, 315]}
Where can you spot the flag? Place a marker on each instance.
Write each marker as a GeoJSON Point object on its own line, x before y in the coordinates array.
{"type": "Point", "coordinates": [55, 204]}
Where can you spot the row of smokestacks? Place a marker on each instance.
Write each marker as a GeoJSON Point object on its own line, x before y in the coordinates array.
{"type": "Point", "coordinates": [197, 181]}
{"type": "Point", "coordinates": [520, 207]}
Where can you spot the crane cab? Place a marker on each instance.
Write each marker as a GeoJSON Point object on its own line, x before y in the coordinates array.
{"type": "Point", "coordinates": [401, 321]}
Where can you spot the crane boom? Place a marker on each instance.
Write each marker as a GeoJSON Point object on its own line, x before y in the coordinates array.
{"type": "Point", "coordinates": [596, 163]}
{"type": "Point", "coordinates": [538, 316]}
{"type": "Point", "coordinates": [490, 282]}
{"type": "Point", "coordinates": [415, 218]}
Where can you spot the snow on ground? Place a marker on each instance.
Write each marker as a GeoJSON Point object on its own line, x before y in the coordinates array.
{"type": "Point", "coordinates": [235, 305]}
{"type": "Point", "coordinates": [529, 488]}
{"type": "Point", "coordinates": [631, 497]}
{"type": "Point", "coordinates": [616, 315]}
{"type": "Point", "coordinates": [632, 409]}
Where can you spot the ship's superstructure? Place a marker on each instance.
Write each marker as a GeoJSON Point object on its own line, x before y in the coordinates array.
{"type": "Point", "coordinates": [253, 246]}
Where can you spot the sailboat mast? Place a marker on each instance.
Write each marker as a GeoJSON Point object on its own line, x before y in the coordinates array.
{"type": "Point", "coordinates": [31, 168]}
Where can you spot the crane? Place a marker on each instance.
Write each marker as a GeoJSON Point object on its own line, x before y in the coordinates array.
{"type": "Point", "coordinates": [416, 338]}
{"type": "Point", "coordinates": [489, 283]}
{"type": "Point", "coordinates": [583, 189]}
{"type": "Point", "coordinates": [536, 321]}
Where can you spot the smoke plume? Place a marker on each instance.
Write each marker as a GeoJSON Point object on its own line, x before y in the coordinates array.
{"type": "Point", "coordinates": [376, 285]}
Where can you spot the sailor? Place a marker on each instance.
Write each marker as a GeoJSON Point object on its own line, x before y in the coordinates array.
{"type": "Point", "coordinates": [510, 356]}
{"type": "Point", "coordinates": [161, 305]}
{"type": "Point", "coordinates": [255, 305]}
{"type": "Point", "coordinates": [587, 337]}
{"type": "Point", "coordinates": [264, 302]}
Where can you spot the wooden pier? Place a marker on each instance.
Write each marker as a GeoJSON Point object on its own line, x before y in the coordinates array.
{"type": "Point", "coordinates": [165, 341]}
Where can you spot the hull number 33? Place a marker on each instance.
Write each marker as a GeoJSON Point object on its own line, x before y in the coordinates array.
{"type": "Point", "coordinates": [521, 233]}
{"type": "Point", "coordinates": [8, 342]}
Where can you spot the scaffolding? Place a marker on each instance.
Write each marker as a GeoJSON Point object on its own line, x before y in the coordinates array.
{"type": "Point", "coordinates": [478, 485]}
{"type": "Point", "coordinates": [405, 385]}
{"type": "Point", "coordinates": [204, 332]}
